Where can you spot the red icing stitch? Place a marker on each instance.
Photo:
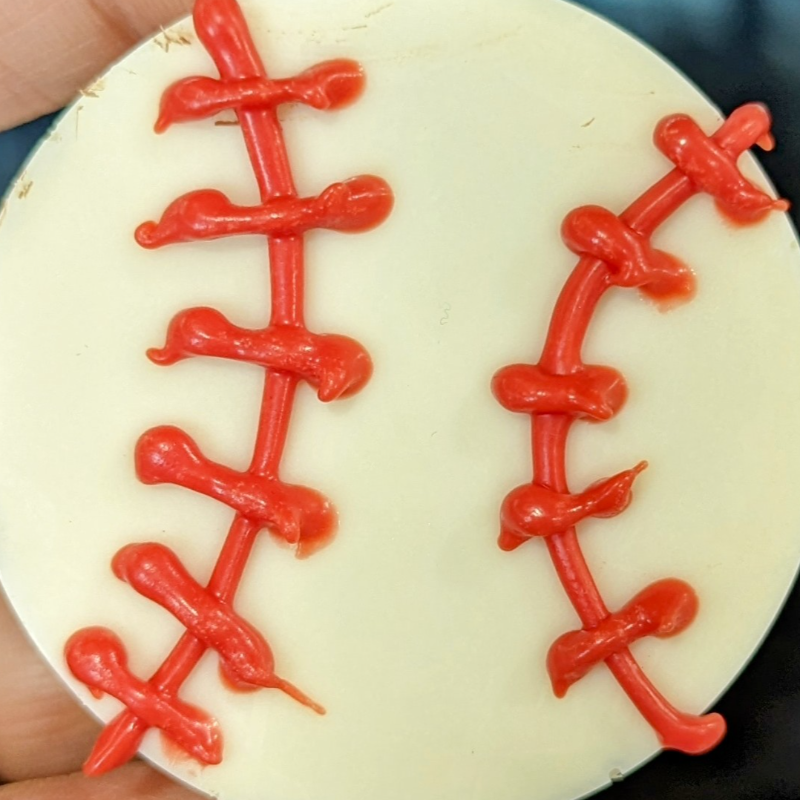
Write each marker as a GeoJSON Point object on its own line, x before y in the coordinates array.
{"type": "Point", "coordinates": [245, 657]}
{"type": "Point", "coordinates": [353, 206]}
{"type": "Point", "coordinates": [97, 657]}
{"type": "Point", "coordinates": [533, 510]}
{"type": "Point", "coordinates": [713, 170]}
{"type": "Point", "coordinates": [335, 365]}
{"type": "Point", "coordinates": [297, 514]}
{"type": "Point", "coordinates": [592, 393]}
{"type": "Point", "coordinates": [663, 609]}
{"type": "Point", "coordinates": [597, 233]}
{"type": "Point", "coordinates": [327, 87]}
{"type": "Point", "coordinates": [616, 251]}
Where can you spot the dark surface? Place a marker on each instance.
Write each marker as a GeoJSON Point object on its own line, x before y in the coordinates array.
{"type": "Point", "coordinates": [15, 146]}
{"type": "Point", "coordinates": [735, 51]}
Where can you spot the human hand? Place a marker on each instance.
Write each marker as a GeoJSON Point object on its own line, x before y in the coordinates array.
{"type": "Point", "coordinates": [45, 736]}
{"type": "Point", "coordinates": [51, 48]}
{"type": "Point", "coordinates": [48, 50]}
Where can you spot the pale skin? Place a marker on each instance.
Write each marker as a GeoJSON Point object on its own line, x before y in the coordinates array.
{"type": "Point", "coordinates": [49, 49]}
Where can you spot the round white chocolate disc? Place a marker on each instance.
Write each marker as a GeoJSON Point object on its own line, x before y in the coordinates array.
{"type": "Point", "coordinates": [425, 642]}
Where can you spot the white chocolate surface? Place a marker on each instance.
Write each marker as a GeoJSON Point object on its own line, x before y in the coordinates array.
{"type": "Point", "coordinates": [425, 642]}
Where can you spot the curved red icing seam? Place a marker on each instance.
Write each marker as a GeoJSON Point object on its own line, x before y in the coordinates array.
{"type": "Point", "coordinates": [337, 365]}
{"type": "Point", "coordinates": [629, 254]}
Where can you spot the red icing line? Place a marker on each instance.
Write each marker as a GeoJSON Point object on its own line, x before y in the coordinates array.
{"type": "Point", "coordinates": [335, 365]}
{"type": "Point", "coordinates": [616, 251]}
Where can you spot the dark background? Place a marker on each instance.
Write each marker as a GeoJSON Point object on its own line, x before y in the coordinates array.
{"type": "Point", "coordinates": [735, 51]}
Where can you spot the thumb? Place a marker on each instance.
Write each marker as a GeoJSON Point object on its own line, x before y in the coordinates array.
{"type": "Point", "coordinates": [51, 48]}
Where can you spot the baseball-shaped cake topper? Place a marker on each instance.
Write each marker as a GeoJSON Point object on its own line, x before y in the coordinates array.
{"type": "Point", "coordinates": [462, 148]}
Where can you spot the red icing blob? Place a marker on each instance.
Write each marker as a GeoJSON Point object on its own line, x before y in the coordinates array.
{"type": "Point", "coordinates": [616, 251]}
{"type": "Point", "coordinates": [335, 365]}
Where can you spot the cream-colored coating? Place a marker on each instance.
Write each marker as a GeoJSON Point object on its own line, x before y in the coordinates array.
{"type": "Point", "coordinates": [424, 641]}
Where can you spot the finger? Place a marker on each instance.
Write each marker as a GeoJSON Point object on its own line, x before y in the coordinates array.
{"type": "Point", "coordinates": [51, 48]}
{"type": "Point", "coordinates": [131, 782]}
{"type": "Point", "coordinates": [43, 731]}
